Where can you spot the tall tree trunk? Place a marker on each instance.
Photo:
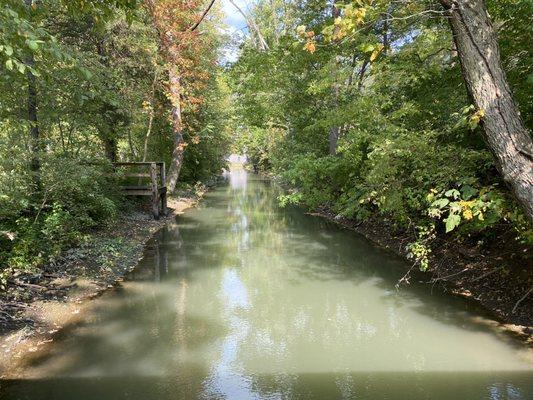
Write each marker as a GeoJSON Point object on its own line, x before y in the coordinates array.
{"type": "Point", "coordinates": [132, 147]}
{"type": "Point", "coordinates": [504, 131]}
{"type": "Point", "coordinates": [386, 31]}
{"type": "Point", "coordinates": [177, 128]}
{"type": "Point", "coordinates": [35, 139]}
{"type": "Point", "coordinates": [105, 128]}
{"type": "Point", "coordinates": [385, 34]}
{"type": "Point", "coordinates": [148, 133]}
{"type": "Point", "coordinates": [361, 74]}
{"type": "Point", "coordinates": [169, 50]}
{"type": "Point", "coordinates": [334, 131]}
{"type": "Point", "coordinates": [150, 117]}
{"type": "Point", "coordinates": [334, 135]}
{"type": "Point", "coordinates": [110, 147]}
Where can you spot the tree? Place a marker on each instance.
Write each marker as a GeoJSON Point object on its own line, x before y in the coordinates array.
{"type": "Point", "coordinates": [477, 46]}
{"type": "Point", "coordinates": [413, 149]}
{"type": "Point", "coordinates": [505, 133]}
{"type": "Point", "coordinates": [35, 140]}
{"type": "Point", "coordinates": [334, 131]}
{"type": "Point", "coordinates": [94, 69]}
{"type": "Point", "coordinates": [180, 43]}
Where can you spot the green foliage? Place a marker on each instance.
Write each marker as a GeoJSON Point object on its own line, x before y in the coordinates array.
{"type": "Point", "coordinates": [420, 249]}
{"type": "Point", "coordinates": [101, 95]}
{"type": "Point", "coordinates": [394, 90]}
{"type": "Point", "coordinates": [209, 142]}
{"type": "Point", "coordinates": [74, 199]}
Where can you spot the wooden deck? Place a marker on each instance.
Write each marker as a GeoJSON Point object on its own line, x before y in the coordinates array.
{"type": "Point", "coordinates": [152, 172]}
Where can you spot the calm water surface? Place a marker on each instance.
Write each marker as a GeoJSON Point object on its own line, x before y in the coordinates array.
{"type": "Point", "coordinates": [242, 300]}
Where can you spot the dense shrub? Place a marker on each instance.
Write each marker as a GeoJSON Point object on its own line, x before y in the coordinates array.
{"type": "Point", "coordinates": [410, 147]}
{"type": "Point", "coordinates": [37, 226]}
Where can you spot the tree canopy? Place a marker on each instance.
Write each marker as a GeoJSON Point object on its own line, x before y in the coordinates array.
{"type": "Point", "coordinates": [84, 84]}
{"type": "Point", "coordinates": [370, 108]}
{"type": "Point", "coordinates": [362, 107]}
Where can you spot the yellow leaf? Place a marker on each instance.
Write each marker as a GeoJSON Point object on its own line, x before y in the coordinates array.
{"type": "Point", "coordinates": [339, 34]}
{"type": "Point", "coordinates": [375, 54]}
{"type": "Point", "coordinates": [310, 47]}
{"type": "Point", "coordinates": [467, 214]}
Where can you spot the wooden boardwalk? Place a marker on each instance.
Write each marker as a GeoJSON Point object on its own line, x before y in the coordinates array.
{"type": "Point", "coordinates": [156, 187]}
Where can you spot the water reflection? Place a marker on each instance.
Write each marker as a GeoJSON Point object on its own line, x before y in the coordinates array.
{"type": "Point", "coordinates": [241, 300]}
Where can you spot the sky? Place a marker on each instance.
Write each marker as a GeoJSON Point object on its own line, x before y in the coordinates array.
{"type": "Point", "coordinates": [236, 26]}
{"type": "Point", "coordinates": [233, 18]}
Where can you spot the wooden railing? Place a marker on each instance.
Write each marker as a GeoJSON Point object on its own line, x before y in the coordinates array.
{"type": "Point", "coordinates": [157, 189]}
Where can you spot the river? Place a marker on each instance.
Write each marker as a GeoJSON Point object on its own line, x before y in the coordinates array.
{"type": "Point", "coordinates": [240, 299]}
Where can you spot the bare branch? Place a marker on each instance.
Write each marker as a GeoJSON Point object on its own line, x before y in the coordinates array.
{"type": "Point", "coordinates": [203, 16]}
{"type": "Point", "coordinates": [263, 45]}
{"type": "Point", "coordinates": [521, 299]}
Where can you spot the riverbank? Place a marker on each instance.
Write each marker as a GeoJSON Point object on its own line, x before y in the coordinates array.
{"type": "Point", "coordinates": [35, 306]}
{"type": "Point", "coordinates": [498, 278]}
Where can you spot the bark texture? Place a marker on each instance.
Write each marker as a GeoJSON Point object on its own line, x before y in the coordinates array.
{"type": "Point", "coordinates": [504, 131]}
{"type": "Point", "coordinates": [174, 88]}
{"type": "Point", "coordinates": [334, 134]}
{"type": "Point", "coordinates": [35, 140]}
{"type": "Point", "coordinates": [35, 137]}
{"type": "Point", "coordinates": [110, 147]}
{"type": "Point", "coordinates": [107, 126]}
{"type": "Point", "coordinates": [168, 46]}
{"type": "Point", "coordinates": [334, 131]}
{"type": "Point", "coordinates": [150, 117]}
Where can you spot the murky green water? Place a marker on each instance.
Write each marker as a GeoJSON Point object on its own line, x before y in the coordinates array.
{"type": "Point", "coordinates": [241, 300]}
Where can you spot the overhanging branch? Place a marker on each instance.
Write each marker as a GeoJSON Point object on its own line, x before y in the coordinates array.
{"type": "Point", "coordinates": [206, 11]}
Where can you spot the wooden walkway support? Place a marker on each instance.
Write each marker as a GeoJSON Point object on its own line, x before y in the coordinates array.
{"type": "Point", "coordinates": [157, 188]}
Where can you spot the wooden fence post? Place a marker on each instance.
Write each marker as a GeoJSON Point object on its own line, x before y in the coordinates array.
{"type": "Point", "coordinates": [164, 190]}
{"type": "Point", "coordinates": [155, 190]}
{"type": "Point", "coordinates": [157, 193]}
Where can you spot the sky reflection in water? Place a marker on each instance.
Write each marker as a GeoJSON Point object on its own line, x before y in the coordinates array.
{"type": "Point", "coordinates": [242, 300]}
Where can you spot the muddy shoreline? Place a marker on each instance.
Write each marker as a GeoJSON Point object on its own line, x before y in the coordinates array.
{"type": "Point", "coordinates": [35, 308]}
{"type": "Point", "coordinates": [496, 280]}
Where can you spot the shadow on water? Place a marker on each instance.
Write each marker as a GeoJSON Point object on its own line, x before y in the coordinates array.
{"type": "Point", "coordinates": [399, 386]}
{"type": "Point", "coordinates": [142, 328]}
{"type": "Point", "coordinates": [336, 254]}
{"type": "Point", "coordinates": [239, 299]}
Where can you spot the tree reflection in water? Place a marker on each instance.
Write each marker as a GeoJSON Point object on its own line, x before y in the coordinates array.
{"type": "Point", "coordinates": [240, 299]}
